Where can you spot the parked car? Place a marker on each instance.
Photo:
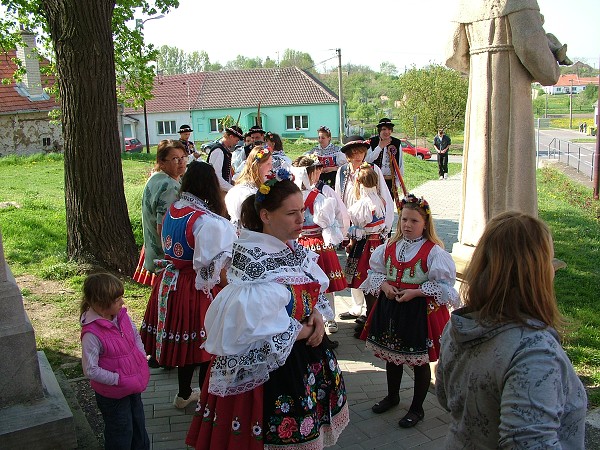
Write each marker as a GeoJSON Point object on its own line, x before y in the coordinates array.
{"type": "Point", "coordinates": [419, 152]}
{"type": "Point", "coordinates": [133, 145]}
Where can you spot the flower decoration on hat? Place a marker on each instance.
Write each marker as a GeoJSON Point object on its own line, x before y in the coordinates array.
{"type": "Point", "coordinates": [273, 178]}
{"type": "Point", "coordinates": [420, 202]}
{"type": "Point", "coordinates": [365, 165]}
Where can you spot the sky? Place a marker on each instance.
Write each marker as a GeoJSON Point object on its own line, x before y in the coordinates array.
{"type": "Point", "coordinates": [403, 32]}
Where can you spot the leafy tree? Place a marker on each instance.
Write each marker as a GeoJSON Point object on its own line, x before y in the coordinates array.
{"type": "Point", "coordinates": [83, 38]}
{"type": "Point", "coordinates": [387, 68]}
{"type": "Point", "coordinates": [242, 62]}
{"type": "Point", "coordinates": [436, 95]}
{"type": "Point", "coordinates": [295, 58]}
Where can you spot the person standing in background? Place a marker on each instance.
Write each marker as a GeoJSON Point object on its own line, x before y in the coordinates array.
{"type": "Point", "coordinates": [184, 136]}
{"type": "Point", "coordinates": [441, 142]}
{"type": "Point", "coordinates": [383, 148]}
{"type": "Point", "coordinates": [220, 156]}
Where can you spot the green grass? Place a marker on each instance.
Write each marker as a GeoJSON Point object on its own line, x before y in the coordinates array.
{"type": "Point", "coordinates": [34, 238]}
{"type": "Point", "coordinates": [574, 218]}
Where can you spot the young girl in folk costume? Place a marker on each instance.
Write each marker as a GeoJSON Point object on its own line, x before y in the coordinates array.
{"type": "Point", "coordinates": [197, 242]}
{"type": "Point", "coordinates": [325, 224]}
{"type": "Point", "coordinates": [258, 165]}
{"type": "Point", "coordinates": [113, 358]}
{"type": "Point", "coordinates": [345, 182]}
{"type": "Point", "coordinates": [367, 216]}
{"type": "Point", "coordinates": [273, 383]}
{"type": "Point", "coordinates": [414, 277]}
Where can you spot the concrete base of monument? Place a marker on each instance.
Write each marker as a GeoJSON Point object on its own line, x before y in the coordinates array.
{"type": "Point", "coordinates": [46, 423]}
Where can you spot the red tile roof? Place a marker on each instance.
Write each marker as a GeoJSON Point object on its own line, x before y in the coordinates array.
{"type": "Point", "coordinates": [10, 99]}
{"type": "Point", "coordinates": [565, 80]}
{"type": "Point", "coordinates": [237, 89]}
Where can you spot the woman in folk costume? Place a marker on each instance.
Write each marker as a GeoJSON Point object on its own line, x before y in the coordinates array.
{"type": "Point", "coordinates": [160, 192]}
{"type": "Point", "coordinates": [197, 241]}
{"type": "Point", "coordinates": [258, 165]}
{"type": "Point", "coordinates": [414, 277]}
{"type": "Point", "coordinates": [330, 156]}
{"type": "Point", "coordinates": [325, 224]}
{"type": "Point", "coordinates": [273, 383]}
{"type": "Point", "coordinates": [355, 151]}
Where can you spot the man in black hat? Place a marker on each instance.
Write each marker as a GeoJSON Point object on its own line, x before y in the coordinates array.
{"type": "Point", "coordinates": [220, 156]}
{"type": "Point", "coordinates": [184, 136]}
{"type": "Point", "coordinates": [383, 148]}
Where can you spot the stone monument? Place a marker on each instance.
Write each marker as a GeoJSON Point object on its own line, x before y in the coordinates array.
{"type": "Point", "coordinates": [502, 46]}
{"type": "Point", "coordinates": [33, 411]}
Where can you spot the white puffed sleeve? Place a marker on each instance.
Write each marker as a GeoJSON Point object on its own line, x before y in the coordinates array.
{"type": "Point", "coordinates": [212, 251]}
{"type": "Point", "coordinates": [325, 217]}
{"type": "Point", "coordinates": [341, 212]}
{"type": "Point", "coordinates": [442, 276]}
{"type": "Point", "coordinates": [250, 332]}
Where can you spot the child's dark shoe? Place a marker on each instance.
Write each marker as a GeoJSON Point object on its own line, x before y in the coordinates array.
{"type": "Point", "coordinates": [385, 404]}
{"type": "Point", "coordinates": [411, 419]}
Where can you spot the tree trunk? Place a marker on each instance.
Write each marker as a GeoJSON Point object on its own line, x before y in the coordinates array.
{"type": "Point", "coordinates": [98, 227]}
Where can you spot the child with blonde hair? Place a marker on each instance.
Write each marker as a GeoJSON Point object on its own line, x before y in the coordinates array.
{"type": "Point", "coordinates": [414, 278]}
{"type": "Point", "coordinates": [114, 359]}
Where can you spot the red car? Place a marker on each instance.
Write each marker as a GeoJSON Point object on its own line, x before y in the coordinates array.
{"type": "Point", "coordinates": [419, 152]}
{"type": "Point", "coordinates": [133, 145]}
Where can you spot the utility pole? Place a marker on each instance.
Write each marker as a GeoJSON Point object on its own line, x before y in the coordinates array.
{"type": "Point", "coordinates": [341, 95]}
{"type": "Point", "coordinates": [571, 106]}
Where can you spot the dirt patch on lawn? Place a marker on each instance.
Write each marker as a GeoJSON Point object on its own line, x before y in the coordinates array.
{"type": "Point", "coordinates": [52, 324]}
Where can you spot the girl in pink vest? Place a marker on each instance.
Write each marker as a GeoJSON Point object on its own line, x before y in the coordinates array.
{"type": "Point", "coordinates": [414, 277]}
{"type": "Point", "coordinates": [114, 360]}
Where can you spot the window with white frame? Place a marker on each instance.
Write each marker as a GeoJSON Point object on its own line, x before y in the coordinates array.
{"type": "Point", "coordinates": [216, 126]}
{"type": "Point", "coordinates": [296, 123]}
{"type": "Point", "coordinates": [166, 127]}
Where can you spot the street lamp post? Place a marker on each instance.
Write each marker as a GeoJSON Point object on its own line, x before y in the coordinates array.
{"type": "Point", "coordinates": [139, 23]}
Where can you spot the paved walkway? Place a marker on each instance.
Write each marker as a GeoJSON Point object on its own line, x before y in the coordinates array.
{"type": "Point", "coordinates": [364, 374]}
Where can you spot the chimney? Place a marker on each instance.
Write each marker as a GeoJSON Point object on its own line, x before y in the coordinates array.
{"type": "Point", "coordinates": [27, 54]}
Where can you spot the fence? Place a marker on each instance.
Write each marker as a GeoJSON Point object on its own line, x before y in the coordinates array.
{"type": "Point", "coordinates": [573, 155]}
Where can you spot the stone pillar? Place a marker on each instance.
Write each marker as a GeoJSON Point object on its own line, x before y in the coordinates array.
{"type": "Point", "coordinates": [33, 409]}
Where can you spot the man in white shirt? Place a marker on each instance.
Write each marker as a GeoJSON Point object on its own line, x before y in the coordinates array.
{"type": "Point", "coordinates": [220, 156]}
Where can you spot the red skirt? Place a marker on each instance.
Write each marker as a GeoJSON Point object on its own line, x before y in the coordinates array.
{"type": "Point", "coordinates": [232, 422]}
{"type": "Point", "coordinates": [328, 261]}
{"type": "Point", "coordinates": [184, 324]}
{"type": "Point", "coordinates": [142, 275]}
{"type": "Point", "coordinates": [301, 407]}
{"type": "Point", "coordinates": [357, 262]}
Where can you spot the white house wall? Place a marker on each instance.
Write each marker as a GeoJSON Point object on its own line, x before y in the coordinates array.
{"type": "Point", "coordinates": [180, 118]}
{"type": "Point", "coordinates": [23, 134]}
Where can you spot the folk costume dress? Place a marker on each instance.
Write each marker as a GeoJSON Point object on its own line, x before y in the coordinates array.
{"type": "Point", "coordinates": [368, 224]}
{"type": "Point", "coordinates": [323, 229]}
{"type": "Point", "coordinates": [409, 332]}
{"type": "Point", "coordinates": [267, 390]}
{"type": "Point", "coordinates": [197, 246]}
